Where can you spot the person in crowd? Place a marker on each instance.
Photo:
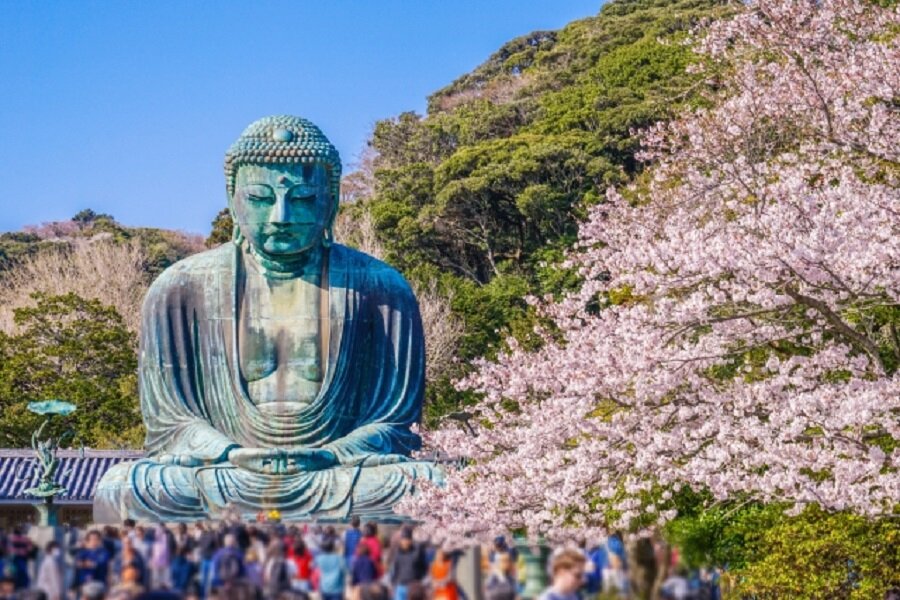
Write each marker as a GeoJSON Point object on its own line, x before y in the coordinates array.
{"type": "Point", "coordinates": [331, 571]}
{"type": "Point", "coordinates": [238, 589]}
{"type": "Point", "coordinates": [615, 571]}
{"type": "Point", "coordinates": [51, 576]}
{"type": "Point", "coordinates": [259, 543]}
{"type": "Point", "coordinates": [183, 538]}
{"type": "Point", "coordinates": [141, 541]}
{"type": "Point", "coordinates": [598, 563]}
{"type": "Point", "coordinates": [92, 590]}
{"type": "Point", "coordinates": [237, 529]}
{"type": "Point", "coordinates": [111, 540]}
{"type": "Point", "coordinates": [374, 591]}
{"type": "Point", "coordinates": [7, 571]}
{"type": "Point", "coordinates": [193, 591]}
{"type": "Point", "coordinates": [129, 557]}
{"type": "Point", "coordinates": [363, 569]}
{"type": "Point", "coordinates": [253, 567]}
{"type": "Point", "coordinates": [408, 564]}
{"type": "Point", "coordinates": [302, 558]}
{"type": "Point", "coordinates": [227, 563]}
{"type": "Point", "coordinates": [183, 569]}
{"type": "Point", "coordinates": [676, 586]}
{"type": "Point", "coordinates": [161, 557]}
{"type": "Point", "coordinates": [292, 595]}
{"type": "Point", "coordinates": [8, 583]}
{"type": "Point", "coordinates": [370, 539]}
{"type": "Point", "coordinates": [207, 545]}
{"type": "Point", "coordinates": [567, 570]}
{"type": "Point", "coordinates": [277, 572]}
{"type": "Point", "coordinates": [21, 550]}
{"type": "Point", "coordinates": [130, 584]}
{"type": "Point", "coordinates": [393, 545]}
{"type": "Point", "coordinates": [313, 538]}
{"type": "Point", "coordinates": [417, 591]}
{"type": "Point", "coordinates": [289, 536]}
{"type": "Point", "coordinates": [128, 526]}
{"type": "Point", "coordinates": [443, 584]}
{"type": "Point", "coordinates": [92, 562]}
{"type": "Point", "coordinates": [500, 583]}
{"type": "Point", "coordinates": [501, 546]}
{"type": "Point", "coordinates": [352, 535]}
{"type": "Point", "coordinates": [330, 534]}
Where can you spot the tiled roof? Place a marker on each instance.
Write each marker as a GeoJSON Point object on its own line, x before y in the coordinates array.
{"type": "Point", "coordinates": [20, 470]}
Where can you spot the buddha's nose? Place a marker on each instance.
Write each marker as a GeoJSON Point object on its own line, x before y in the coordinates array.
{"type": "Point", "coordinates": [281, 209]}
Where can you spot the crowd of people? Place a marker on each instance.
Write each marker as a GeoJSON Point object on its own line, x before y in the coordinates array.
{"type": "Point", "coordinates": [274, 561]}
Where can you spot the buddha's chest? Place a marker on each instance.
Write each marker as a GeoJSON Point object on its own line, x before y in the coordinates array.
{"type": "Point", "coordinates": [280, 340]}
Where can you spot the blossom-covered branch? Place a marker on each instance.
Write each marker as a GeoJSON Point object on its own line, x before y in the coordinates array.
{"type": "Point", "coordinates": [736, 328]}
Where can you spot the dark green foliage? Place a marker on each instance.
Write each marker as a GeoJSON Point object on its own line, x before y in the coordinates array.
{"type": "Point", "coordinates": [17, 245]}
{"type": "Point", "coordinates": [488, 187]}
{"type": "Point", "coordinates": [76, 350]}
{"type": "Point", "coordinates": [768, 554]}
{"type": "Point", "coordinates": [222, 227]}
{"type": "Point", "coordinates": [87, 216]}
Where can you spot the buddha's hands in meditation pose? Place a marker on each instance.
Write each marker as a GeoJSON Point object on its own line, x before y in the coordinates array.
{"type": "Point", "coordinates": [279, 461]}
{"type": "Point", "coordinates": [282, 461]}
{"type": "Point", "coordinates": [270, 461]}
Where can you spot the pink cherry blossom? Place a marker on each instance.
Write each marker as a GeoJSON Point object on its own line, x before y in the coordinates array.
{"type": "Point", "coordinates": [730, 334]}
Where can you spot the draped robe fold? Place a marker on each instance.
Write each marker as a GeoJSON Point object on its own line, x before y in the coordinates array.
{"type": "Point", "coordinates": [195, 404]}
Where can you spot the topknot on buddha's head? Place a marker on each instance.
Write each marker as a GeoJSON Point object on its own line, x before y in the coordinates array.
{"type": "Point", "coordinates": [283, 139]}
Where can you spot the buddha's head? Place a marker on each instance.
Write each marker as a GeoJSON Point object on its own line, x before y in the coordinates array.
{"type": "Point", "coordinates": [283, 180]}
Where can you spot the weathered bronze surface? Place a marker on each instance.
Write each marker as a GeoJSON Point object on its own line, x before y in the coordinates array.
{"type": "Point", "coordinates": [280, 370]}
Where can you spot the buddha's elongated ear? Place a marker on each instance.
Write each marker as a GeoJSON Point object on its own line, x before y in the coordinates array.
{"type": "Point", "coordinates": [236, 236]}
{"type": "Point", "coordinates": [334, 189]}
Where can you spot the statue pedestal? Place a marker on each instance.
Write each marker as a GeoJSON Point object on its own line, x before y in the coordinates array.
{"type": "Point", "coordinates": [47, 513]}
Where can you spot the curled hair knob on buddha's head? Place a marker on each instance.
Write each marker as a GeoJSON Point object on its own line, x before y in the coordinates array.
{"type": "Point", "coordinates": [284, 139]}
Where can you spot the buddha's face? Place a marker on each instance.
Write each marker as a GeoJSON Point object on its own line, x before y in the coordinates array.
{"type": "Point", "coordinates": [282, 209]}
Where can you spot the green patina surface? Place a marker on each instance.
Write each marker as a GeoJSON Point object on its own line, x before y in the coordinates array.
{"type": "Point", "coordinates": [279, 371]}
{"type": "Point", "coordinates": [45, 451]}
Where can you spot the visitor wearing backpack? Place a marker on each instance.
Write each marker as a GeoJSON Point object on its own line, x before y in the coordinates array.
{"type": "Point", "coordinates": [227, 563]}
{"type": "Point", "coordinates": [500, 584]}
{"type": "Point", "coordinates": [277, 572]}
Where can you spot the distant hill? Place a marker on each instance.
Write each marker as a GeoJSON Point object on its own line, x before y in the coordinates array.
{"type": "Point", "coordinates": [162, 246]}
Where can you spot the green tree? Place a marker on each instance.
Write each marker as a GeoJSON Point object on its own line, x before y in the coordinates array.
{"type": "Point", "coordinates": [222, 227]}
{"type": "Point", "coordinates": [77, 350]}
{"type": "Point", "coordinates": [769, 554]}
{"type": "Point", "coordinates": [486, 189]}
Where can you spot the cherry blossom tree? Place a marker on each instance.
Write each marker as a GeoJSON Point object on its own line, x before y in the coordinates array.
{"type": "Point", "coordinates": [737, 327]}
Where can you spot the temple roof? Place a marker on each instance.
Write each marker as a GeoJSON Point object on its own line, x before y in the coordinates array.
{"type": "Point", "coordinates": [19, 470]}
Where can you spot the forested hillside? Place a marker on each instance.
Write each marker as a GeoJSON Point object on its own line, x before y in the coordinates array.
{"type": "Point", "coordinates": [484, 192]}
{"type": "Point", "coordinates": [70, 297]}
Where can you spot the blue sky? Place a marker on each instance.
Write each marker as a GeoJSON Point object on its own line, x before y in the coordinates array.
{"type": "Point", "coordinates": [127, 107]}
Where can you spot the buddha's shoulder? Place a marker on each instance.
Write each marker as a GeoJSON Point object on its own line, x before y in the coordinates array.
{"type": "Point", "coordinates": [366, 267]}
{"type": "Point", "coordinates": [196, 269]}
